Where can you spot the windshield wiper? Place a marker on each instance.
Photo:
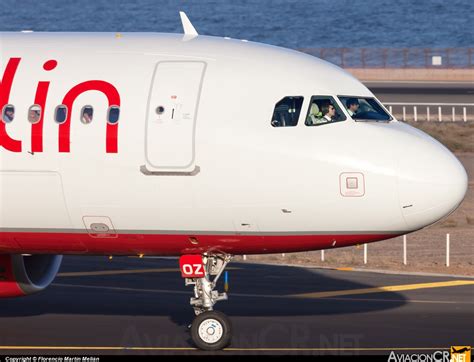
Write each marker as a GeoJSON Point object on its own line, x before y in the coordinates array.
{"type": "Point", "coordinates": [373, 120]}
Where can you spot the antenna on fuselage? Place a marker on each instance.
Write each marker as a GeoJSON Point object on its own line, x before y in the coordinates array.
{"type": "Point", "coordinates": [188, 27]}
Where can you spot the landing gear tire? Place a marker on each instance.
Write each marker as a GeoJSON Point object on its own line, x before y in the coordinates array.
{"type": "Point", "coordinates": [211, 331]}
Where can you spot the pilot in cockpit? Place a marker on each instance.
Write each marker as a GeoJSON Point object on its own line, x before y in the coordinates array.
{"type": "Point", "coordinates": [323, 113]}
{"type": "Point", "coordinates": [352, 105]}
{"type": "Point", "coordinates": [329, 112]}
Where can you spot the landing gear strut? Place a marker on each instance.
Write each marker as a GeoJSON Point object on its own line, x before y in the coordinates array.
{"type": "Point", "coordinates": [211, 330]}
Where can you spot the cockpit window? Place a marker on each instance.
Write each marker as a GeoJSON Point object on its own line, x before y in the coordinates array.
{"type": "Point", "coordinates": [323, 110]}
{"type": "Point", "coordinates": [364, 109]}
{"type": "Point", "coordinates": [287, 111]}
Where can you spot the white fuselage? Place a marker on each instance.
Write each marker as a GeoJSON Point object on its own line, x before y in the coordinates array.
{"type": "Point", "coordinates": [211, 166]}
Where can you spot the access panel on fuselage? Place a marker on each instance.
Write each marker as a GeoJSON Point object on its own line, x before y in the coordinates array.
{"type": "Point", "coordinates": [172, 115]}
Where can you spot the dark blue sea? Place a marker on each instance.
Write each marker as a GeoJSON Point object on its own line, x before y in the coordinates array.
{"type": "Point", "coordinates": [289, 23]}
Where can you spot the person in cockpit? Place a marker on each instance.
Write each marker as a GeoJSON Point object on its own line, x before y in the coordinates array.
{"type": "Point", "coordinates": [352, 105]}
{"type": "Point", "coordinates": [329, 112]}
{"type": "Point", "coordinates": [320, 114]}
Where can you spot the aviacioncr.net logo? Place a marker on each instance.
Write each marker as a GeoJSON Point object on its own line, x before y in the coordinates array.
{"type": "Point", "coordinates": [437, 356]}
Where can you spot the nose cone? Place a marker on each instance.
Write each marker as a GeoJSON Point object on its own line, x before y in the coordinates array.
{"type": "Point", "coordinates": [432, 182]}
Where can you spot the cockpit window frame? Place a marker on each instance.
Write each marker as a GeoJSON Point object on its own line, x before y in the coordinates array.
{"type": "Point", "coordinates": [336, 104]}
{"type": "Point", "coordinates": [361, 119]}
{"type": "Point", "coordinates": [300, 99]}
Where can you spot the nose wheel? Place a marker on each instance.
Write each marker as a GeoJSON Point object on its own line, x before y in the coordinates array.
{"type": "Point", "coordinates": [211, 331]}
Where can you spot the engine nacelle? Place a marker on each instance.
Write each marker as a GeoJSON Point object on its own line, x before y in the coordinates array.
{"type": "Point", "coordinates": [27, 274]}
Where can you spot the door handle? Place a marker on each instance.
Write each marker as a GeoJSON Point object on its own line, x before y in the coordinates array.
{"type": "Point", "coordinates": [147, 172]}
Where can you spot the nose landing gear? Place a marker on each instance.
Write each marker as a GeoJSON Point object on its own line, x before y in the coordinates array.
{"type": "Point", "coordinates": [211, 330]}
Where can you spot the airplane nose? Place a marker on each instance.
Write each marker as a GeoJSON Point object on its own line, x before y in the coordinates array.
{"type": "Point", "coordinates": [432, 183]}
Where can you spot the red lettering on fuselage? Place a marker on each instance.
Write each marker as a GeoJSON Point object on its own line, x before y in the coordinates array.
{"type": "Point", "coordinates": [41, 96]}
{"type": "Point", "coordinates": [37, 128]}
{"type": "Point", "coordinates": [5, 87]}
{"type": "Point", "coordinates": [40, 100]}
{"type": "Point", "coordinates": [113, 98]}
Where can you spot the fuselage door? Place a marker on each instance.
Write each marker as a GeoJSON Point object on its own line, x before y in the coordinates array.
{"type": "Point", "coordinates": [172, 116]}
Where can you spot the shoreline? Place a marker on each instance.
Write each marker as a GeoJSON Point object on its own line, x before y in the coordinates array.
{"type": "Point", "coordinates": [428, 75]}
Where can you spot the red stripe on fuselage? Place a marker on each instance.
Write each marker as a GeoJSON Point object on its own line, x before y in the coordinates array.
{"type": "Point", "coordinates": [176, 244]}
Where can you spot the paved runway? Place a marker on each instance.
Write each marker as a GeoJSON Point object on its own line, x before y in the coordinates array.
{"type": "Point", "coordinates": [423, 92]}
{"type": "Point", "coordinates": [141, 306]}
